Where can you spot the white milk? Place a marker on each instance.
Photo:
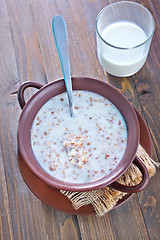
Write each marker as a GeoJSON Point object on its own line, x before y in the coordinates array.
{"type": "Point", "coordinates": [83, 148]}
{"type": "Point", "coordinates": [122, 62]}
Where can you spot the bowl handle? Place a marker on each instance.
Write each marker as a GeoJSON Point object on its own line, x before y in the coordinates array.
{"type": "Point", "coordinates": [137, 188]}
{"type": "Point", "coordinates": [23, 87]}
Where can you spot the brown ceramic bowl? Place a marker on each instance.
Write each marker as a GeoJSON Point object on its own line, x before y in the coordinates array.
{"type": "Point", "coordinates": [48, 91]}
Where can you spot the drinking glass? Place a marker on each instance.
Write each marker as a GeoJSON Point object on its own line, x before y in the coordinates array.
{"type": "Point", "coordinates": [124, 31]}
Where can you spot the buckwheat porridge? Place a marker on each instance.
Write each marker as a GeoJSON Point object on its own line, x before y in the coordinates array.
{"type": "Point", "coordinates": [82, 148]}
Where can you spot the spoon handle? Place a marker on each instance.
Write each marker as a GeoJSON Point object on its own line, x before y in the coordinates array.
{"type": "Point", "coordinates": [61, 40]}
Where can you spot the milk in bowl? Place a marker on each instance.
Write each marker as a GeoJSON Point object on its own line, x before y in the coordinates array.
{"type": "Point", "coordinates": [79, 149]}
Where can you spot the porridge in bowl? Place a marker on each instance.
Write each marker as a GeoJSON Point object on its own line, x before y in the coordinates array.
{"type": "Point", "coordinates": [79, 149]}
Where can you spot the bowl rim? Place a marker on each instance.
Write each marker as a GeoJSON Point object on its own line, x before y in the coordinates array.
{"type": "Point", "coordinates": [24, 141]}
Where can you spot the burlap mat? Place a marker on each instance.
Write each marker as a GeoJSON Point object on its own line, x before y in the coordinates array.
{"type": "Point", "coordinates": [104, 199]}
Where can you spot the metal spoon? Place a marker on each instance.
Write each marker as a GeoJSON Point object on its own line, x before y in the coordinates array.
{"type": "Point", "coordinates": [60, 35]}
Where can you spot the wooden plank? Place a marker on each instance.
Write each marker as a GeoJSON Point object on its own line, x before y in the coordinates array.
{"type": "Point", "coordinates": [8, 78]}
{"type": "Point", "coordinates": [82, 48]}
{"type": "Point", "coordinates": [125, 222]}
{"type": "Point", "coordinates": [132, 222]}
{"type": "Point", "coordinates": [60, 225]}
{"type": "Point", "coordinates": [8, 68]}
{"type": "Point", "coordinates": [150, 204]}
{"type": "Point", "coordinates": [28, 56]}
{"type": "Point", "coordinates": [155, 10]}
{"type": "Point", "coordinates": [5, 218]}
{"type": "Point", "coordinates": [93, 227]}
{"type": "Point", "coordinates": [147, 86]}
{"type": "Point", "coordinates": [25, 209]}
{"type": "Point", "coordinates": [43, 23]}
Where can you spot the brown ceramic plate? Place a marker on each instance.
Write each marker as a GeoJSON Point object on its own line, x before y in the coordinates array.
{"type": "Point", "coordinates": [58, 200]}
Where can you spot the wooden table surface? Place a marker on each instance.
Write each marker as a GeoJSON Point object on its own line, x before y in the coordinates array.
{"type": "Point", "coordinates": [28, 53]}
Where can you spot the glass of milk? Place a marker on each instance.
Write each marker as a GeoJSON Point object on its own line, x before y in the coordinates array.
{"type": "Point", "coordinates": [124, 31]}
